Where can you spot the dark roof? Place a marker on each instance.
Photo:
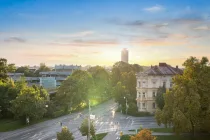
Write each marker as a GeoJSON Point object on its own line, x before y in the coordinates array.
{"type": "Point", "coordinates": [163, 69]}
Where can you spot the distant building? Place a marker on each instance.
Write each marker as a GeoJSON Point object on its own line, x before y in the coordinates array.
{"type": "Point", "coordinates": [61, 72]}
{"type": "Point", "coordinates": [15, 76]}
{"type": "Point", "coordinates": [148, 83]}
{"type": "Point", "coordinates": [48, 82]}
{"type": "Point", "coordinates": [124, 55]}
{"type": "Point", "coordinates": [66, 68]}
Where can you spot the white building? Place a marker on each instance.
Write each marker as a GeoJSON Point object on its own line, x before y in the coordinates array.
{"type": "Point", "coordinates": [148, 83]}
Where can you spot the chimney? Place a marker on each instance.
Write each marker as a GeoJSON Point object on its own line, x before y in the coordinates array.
{"type": "Point", "coordinates": [177, 67]}
{"type": "Point", "coordinates": [162, 64]}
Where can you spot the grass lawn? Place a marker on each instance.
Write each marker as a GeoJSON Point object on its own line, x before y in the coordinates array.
{"type": "Point", "coordinates": [162, 130]}
{"type": "Point", "coordinates": [99, 136]}
{"type": "Point", "coordinates": [174, 137]}
{"type": "Point", "coordinates": [10, 124]}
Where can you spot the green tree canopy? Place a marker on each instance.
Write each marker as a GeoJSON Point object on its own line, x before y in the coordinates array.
{"type": "Point", "coordinates": [11, 68]}
{"type": "Point", "coordinates": [29, 103]}
{"type": "Point", "coordinates": [187, 106]}
{"type": "Point", "coordinates": [65, 134]}
{"type": "Point", "coordinates": [26, 71]}
{"type": "Point", "coordinates": [3, 69]}
{"type": "Point", "coordinates": [8, 92]}
{"type": "Point", "coordinates": [101, 80]}
{"type": "Point", "coordinates": [75, 89]}
{"type": "Point", "coordinates": [159, 98]}
{"type": "Point", "coordinates": [42, 68]}
{"type": "Point", "coordinates": [84, 128]}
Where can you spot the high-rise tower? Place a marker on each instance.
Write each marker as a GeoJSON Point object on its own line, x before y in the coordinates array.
{"type": "Point", "coordinates": [124, 55]}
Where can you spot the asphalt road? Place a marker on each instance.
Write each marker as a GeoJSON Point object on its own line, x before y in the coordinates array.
{"type": "Point", "coordinates": [106, 121]}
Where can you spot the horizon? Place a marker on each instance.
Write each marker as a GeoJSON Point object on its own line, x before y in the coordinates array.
{"type": "Point", "coordinates": [90, 32]}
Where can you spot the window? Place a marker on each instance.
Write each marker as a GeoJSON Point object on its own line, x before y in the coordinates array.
{"type": "Point", "coordinates": [139, 84]}
{"type": "Point", "coordinates": [153, 94]}
{"type": "Point", "coordinates": [171, 84]}
{"type": "Point", "coordinates": [143, 105]}
{"type": "Point", "coordinates": [164, 84]}
{"type": "Point", "coordinates": [153, 105]}
{"type": "Point", "coordinates": [139, 94]}
{"type": "Point", "coordinates": [143, 84]}
{"type": "Point", "coordinates": [143, 94]}
{"type": "Point", "coordinates": [139, 105]}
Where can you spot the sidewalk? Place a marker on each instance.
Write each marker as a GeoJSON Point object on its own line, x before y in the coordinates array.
{"type": "Point", "coordinates": [114, 135]}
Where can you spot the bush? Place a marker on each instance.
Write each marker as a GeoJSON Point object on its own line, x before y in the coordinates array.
{"type": "Point", "coordinates": [58, 113]}
{"type": "Point", "coordinates": [144, 134]}
{"type": "Point", "coordinates": [65, 134]}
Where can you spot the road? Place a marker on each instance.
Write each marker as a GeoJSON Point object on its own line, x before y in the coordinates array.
{"type": "Point", "coordinates": [106, 121]}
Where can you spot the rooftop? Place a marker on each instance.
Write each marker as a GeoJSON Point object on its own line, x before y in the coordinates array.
{"type": "Point", "coordinates": [163, 69]}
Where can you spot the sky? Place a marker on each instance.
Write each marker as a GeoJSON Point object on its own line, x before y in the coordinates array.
{"type": "Point", "coordinates": [93, 32]}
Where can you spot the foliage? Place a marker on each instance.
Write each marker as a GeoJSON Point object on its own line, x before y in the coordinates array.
{"type": "Point", "coordinates": [42, 68]}
{"type": "Point", "coordinates": [124, 74]}
{"type": "Point", "coordinates": [159, 98]}
{"type": "Point", "coordinates": [29, 103]}
{"type": "Point", "coordinates": [187, 106]}
{"type": "Point", "coordinates": [101, 80]}
{"type": "Point", "coordinates": [99, 136]}
{"type": "Point", "coordinates": [84, 128]}
{"type": "Point", "coordinates": [74, 90]}
{"type": "Point", "coordinates": [26, 71]}
{"type": "Point", "coordinates": [144, 134]}
{"type": "Point", "coordinates": [65, 134]}
{"type": "Point", "coordinates": [119, 92]}
{"type": "Point", "coordinates": [11, 68]}
{"type": "Point", "coordinates": [3, 69]}
{"type": "Point", "coordinates": [8, 92]}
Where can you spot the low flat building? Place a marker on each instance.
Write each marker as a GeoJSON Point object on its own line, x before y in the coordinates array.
{"type": "Point", "coordinates": [148, 83]}
{"type": "Point", "coordinates": [59, 76]}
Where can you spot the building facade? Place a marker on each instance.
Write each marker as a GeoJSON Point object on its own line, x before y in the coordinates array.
{"type": "Point", "coordinates": [124, 55]}
{"type": "Point", "coordinates": [148, 83]}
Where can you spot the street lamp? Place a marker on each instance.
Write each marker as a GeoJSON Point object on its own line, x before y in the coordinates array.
{"type": "Point", "coordinates": [126, 104]}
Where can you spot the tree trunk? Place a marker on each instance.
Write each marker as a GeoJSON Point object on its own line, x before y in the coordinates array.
{"type": "Point", "coordinates": [193, 128]}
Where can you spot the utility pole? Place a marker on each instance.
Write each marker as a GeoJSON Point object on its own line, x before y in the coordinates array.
{"type": "Point", "coordinates": [88, 138]}
{"type": "Point", "coordinates": [126, 103]}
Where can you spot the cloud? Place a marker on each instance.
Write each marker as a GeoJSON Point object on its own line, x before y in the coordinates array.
{"type": "Point", "coordinates": [52, 55]}
{"type": "Point", "coordinates": [15, 40]}
{"type": "Point", "coordinates": [156, 8]}
{"type": "Point", "coordinates": [78, 34]}
{"type": "Point", "coordinates": [204, 27]}
{"type": "Point", "coordinates": [87, 43]}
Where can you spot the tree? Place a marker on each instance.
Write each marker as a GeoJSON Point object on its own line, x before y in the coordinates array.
{"type": "Point", "coordinates": [26, 71]}
{"type": "Point", "coordinates": [3, 70]}
{"type": "Point", "coordinates": [187, 106]}
{"type": "Point", "coordinates": [42, 68]}
{"type": "Point", "coordinates": [125, 74]}
{"type": "Point", "coordinates": [65, 134]}
{"type": "Point", "coordinates": [75, 90]}
{"type": "Point", "coordinates": [101, 80]}
{"type": "Point", "coordinates": [137, 68]}
{"type": "Point", "coordinates": [8, 92]}
{"type": "Point", "coordinates": [144, 134]}
{"type": "Point", "coordinates": [84, 128]}
{"type": "Point", "coordinates": [159, 98]}
{"type": "Point", "coordinates": [11, 68]}
{"type": "Point", "coordinates": [67, 94]}
{"type": "Point", "coordinates": [29, 103]}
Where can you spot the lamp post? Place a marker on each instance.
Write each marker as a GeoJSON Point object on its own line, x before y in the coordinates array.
{"type": "Point", "coordinates": [88, 120]}
{"type": "Point", "coordinates": [126, 104]}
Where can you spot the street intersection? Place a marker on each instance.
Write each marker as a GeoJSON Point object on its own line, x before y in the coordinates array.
{"type": "Point", "coordinates": [106, 121]}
